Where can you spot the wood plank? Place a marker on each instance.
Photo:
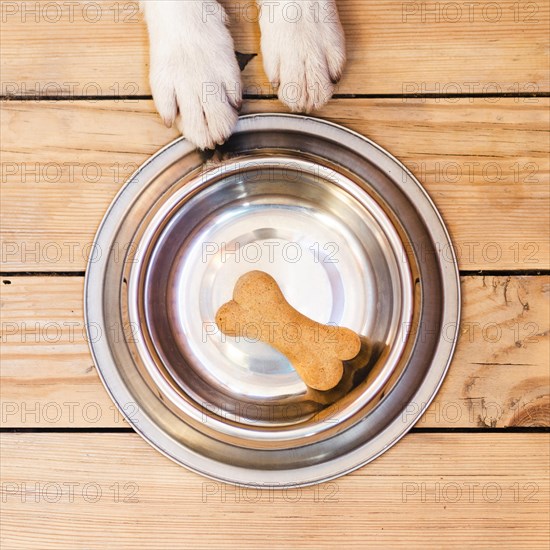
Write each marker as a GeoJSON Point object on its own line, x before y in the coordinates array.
{"type": "Point", "coordinates": [498, 378]}
{"type": "Point", "coordinates": [100, 47]}
{"type": "Point", "coordinates": [92, 491]}
{"type": "Point", "coordinates": [484, 163]}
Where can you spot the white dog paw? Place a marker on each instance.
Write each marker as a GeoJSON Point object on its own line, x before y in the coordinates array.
{"type": "Point", "coordinates": [195, 77]}
{"type": "Point", "coordinates": [203, 97]}
{"type": "Point", "coordinates": [303, 47]}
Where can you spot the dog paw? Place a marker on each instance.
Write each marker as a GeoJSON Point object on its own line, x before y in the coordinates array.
{"type": "Point", "coordinates": [195, 78]}
{"type": "Point", "coordinates": [303, 48]}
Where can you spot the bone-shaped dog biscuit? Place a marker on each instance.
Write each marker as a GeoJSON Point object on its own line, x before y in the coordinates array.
{"type": "Point", "coordinates": [259, 311]}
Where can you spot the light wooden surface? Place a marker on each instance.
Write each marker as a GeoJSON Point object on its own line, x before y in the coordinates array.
{"type": "Point", "coordinates": [485, 164]}
{"type": "Point", "coordinates": [430, 491]}
{"type": "Point", "coordinates": [393, 48]}
{"type": "Point", "coordinates": [498, 377]}
{"type": "Point", "coordinates": [475, 470]}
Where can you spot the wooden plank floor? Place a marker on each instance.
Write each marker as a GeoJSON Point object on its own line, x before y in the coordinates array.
{"type": "Point", "coordinates": [430, 491]}
{"type": "Point", "coordinates": [485, 164]}
{"type": "Point", "coordinates": [409, 47]}
{"type": "Point", "coordinates": [459, 93]}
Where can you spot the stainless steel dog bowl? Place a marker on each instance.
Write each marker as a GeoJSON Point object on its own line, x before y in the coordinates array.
{"type": "Point", "coordinates": [352, 239]}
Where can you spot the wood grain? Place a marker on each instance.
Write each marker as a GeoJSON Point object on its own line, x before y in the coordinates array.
{"type": "Point", "coordinates": [92, 491]}
{"type": "Point", "coordinates": [484, 160]}
{"type": "Point", "coordinates": [498, 378]}
{"type": "Point", "coordinates": [485, 164]}
{"type": "Point", "coordinates": [100, 48]}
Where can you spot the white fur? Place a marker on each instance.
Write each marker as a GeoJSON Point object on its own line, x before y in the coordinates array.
{"type": "Point", "coordinates": [303, 48]}
{"type": "Point", "coordinates": [194, 71]}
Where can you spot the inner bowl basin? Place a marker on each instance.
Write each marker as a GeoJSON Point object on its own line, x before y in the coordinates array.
{"type": "Point", "coordinates": [337, 258]}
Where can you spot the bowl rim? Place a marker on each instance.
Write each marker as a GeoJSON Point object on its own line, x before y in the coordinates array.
{"type": "Point", "coordinates": [257, 477]}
